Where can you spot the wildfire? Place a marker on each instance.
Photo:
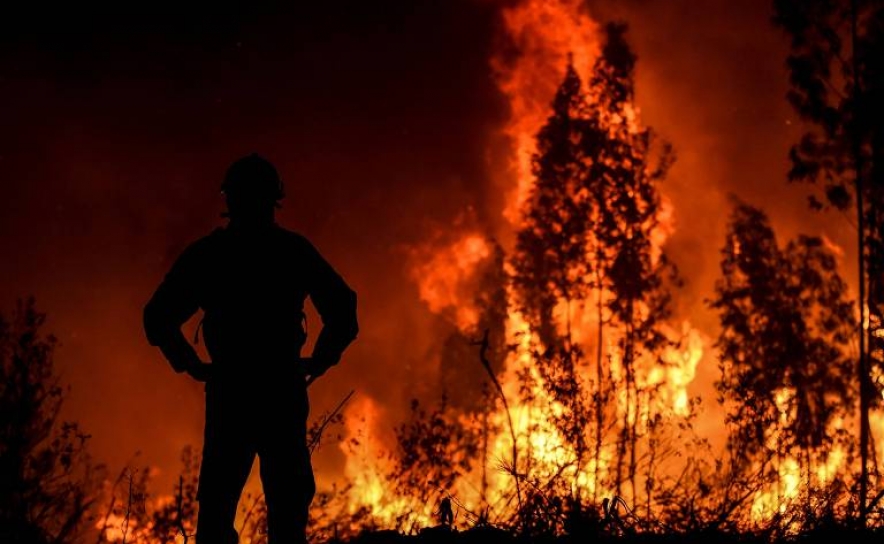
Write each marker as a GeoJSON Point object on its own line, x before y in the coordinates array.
{"type": "Point", "coordinates": [576, 404]}
{"type": "Point", "coordinates": [545, 34]}
{"type": "Point", "coordinates": [525, 446]}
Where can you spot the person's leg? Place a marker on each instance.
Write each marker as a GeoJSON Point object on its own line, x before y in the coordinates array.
{"type": "Point", "coordinates": [288, 489]}
{"type": "Point", "coordinates": [228, 454]}
{"type": "Point", "coordinates": [286, 474]}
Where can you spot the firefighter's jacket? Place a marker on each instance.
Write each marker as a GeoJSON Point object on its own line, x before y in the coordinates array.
{"type": "Point", "coordinates": [251, 284]}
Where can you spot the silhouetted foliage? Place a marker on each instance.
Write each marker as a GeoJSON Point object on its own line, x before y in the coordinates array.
{"type": "Point", "coordinates": [786, 322]}
{"type": "Point", "coordinates": [47, 480]}
{"type": "Point", "coordinates": [638, 272]}
{"type": "Point", "coordinates": [176, 519]}
{"type": "Point", "coordinates": [128, 517]}
{"type": "Point", "coordinates": [589, 234]}
{"type": "Point", "coordinates": [836, 67]}
{"type": "Point", "coordinates": [433, 449]}
{"type": "Point", "coordinates": [550, 259]}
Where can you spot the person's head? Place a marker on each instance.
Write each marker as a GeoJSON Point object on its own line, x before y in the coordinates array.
{"type": "Point", "coordinates": [252, 189]}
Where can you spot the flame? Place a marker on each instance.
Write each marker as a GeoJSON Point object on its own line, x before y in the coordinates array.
{"type": "Point", "coordinates": [665, 228]}
{"type": "Point", "coordinates": [116, 527]}
{"type": "Point", "coordinates": [790, 481]}
{"type": "Point", "coordinates": [366, 467]}
{"type": "Point", "coordinates": [679, 369]}
{"type": "Point", "coordinates": [446, 274]}
{"type": "Point", "coordinates": [544, 33]}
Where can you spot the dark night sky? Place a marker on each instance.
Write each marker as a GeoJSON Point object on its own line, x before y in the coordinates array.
{"type": "Point", "coordinates": [115, 135]}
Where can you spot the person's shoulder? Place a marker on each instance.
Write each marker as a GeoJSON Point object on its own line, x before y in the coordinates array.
{"type": "Point", "coordinates": [210, 240]}
{"type": "Point", "coordinates": [293, 238]}
{"type": "Point", "coordinates": [205, 246]}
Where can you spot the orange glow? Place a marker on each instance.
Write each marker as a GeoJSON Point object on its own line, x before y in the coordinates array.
{"type": "Point", "coordinates": [544, 33]}
{"type": "Point", "coordinates": [446, 269]}
{"type": "Point", "coordinates": [446, 276]}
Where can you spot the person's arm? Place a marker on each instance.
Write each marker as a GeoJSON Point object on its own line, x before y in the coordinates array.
{"type": "Point", "coordinates": [335, 302]}
{"type": "Point", "coordinates": [173, 303]}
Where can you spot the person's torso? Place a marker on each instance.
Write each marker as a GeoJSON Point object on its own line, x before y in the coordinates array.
{"type": "Point", "coordinates": [252, 293]}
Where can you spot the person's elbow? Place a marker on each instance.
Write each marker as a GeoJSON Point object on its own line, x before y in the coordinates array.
{"type": "Point", "coordinates": [351, 321]}
{"type": "Point", "coordinates": [156, 325]}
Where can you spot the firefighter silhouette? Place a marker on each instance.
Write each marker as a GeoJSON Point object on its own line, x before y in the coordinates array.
{"type": "Point", "coordinates": [251, 279]}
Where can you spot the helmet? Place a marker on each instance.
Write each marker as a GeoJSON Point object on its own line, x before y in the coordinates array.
{"type": "Point", "coordinates": [253, 178]}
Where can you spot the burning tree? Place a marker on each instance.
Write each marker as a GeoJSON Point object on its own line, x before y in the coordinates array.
{"type": "Point", "coordinates": [785, 366]}
{"type": "Point", "coordinates": [629, 221]}
{"type": "Point", "coordinates": [589, 238]}
{"type": "Point", "coordinates": [550, 263]}
{"type": "Point", "coordinates": [837, 77]}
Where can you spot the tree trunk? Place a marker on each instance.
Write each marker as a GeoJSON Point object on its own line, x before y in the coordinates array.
{"type": "Point", "coordinates": [600, 389]}
{"type": "Point", "coordinates": [862, 366]}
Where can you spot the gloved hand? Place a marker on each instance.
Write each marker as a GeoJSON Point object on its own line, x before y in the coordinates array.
{"type": "Point", "coordinates": [200, 371]}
